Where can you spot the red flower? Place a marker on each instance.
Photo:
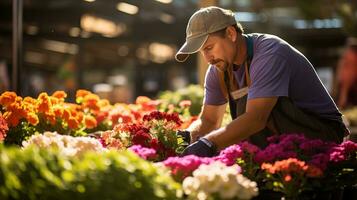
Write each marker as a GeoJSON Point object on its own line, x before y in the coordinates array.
{"type": "Point", "coordinates": [142, 138]}
{"type": "Point", "coordinates": [163, 116]}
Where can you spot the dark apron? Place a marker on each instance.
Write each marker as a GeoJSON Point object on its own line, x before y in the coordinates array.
{"type": "Point", "coordinates": [286, 117]}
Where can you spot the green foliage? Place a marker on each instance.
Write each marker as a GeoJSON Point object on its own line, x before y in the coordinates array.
{"type": "Point", "coordinates": [20, 133]}
{"type": "Point", "coordinates": [194, 93]}
{"type": "Point", "coordinates": [35, 173]}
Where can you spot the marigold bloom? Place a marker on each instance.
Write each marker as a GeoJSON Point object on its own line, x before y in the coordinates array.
{"type": "Point", "coordinates": [51, 117]}
{"type": "Point", "coordinates": [91, 101]}
{"type": "Point", "coordinates": [90, 122]}
{"type": "Point", "coordinates": [58, 111]}
{"type": "Point", "coordinates": [82, 93]}
{"type": "Point", "coordinates": [72, 123]}
{"type": "Point", "coordinates": [66, 114]}
{"type": "Point", "coordinates": [11, 118]}
{"type": "Point", "coordinates": [32, 118]}
{"type": "Point", "coordinates": [59, 94]}
{"type": "Point", "coordinates": [7, 98]}
{"type": "Point", "coordinates": [44, 103]}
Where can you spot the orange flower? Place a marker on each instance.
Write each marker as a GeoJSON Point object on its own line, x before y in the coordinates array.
{"type": "Point", "coordinates": [72, 123]}
{"type": "Point", "coordinates": [66, 114]}
{"type": "Point", "coordinates": [90, 121]}
{"type": "Point", "coordinates": [54, 100]}
{"type": "Point", "coordinates": [44, 103]}
{"type": "Point", "coordinates": [59, 94]}
{"type": "Point", "coordinates": [7, 98]}
{"type": "Point", "coordinates": [32, 118]}
{"type": "Point", "coordinates": [30, 101]}
{"type": "Point", "coordinates": [11, 118]}
{"type": "Point", "coordinates": [58, 111]}
{"type": "Point", "coordinates": [51, 117]}
{"type": "Point", "coordinates": [91, 101]}
{"type": "Point", "coordinates": [82, 93]}
{"type": "Point", "coordinates": [268, 167]}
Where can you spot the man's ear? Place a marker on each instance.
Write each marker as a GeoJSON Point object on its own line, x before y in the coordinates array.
{"type": "Point", "coordinates": [231, 33]}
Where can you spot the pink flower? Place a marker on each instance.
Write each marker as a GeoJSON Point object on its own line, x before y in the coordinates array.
{"type": "Point", "coordinates": [230, 155]}
{"type": "Point", "coordinates": [248, 147]}
{"type": "Point", "coordinates": [143, 152]}
{"type": "Point", "coordinates": [181, 167]}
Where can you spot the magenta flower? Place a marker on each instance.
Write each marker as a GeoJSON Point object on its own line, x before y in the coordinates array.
{"type": "Point", "coordinates": [143, 152]}
{"type": "Point", "coordinates": [181, 167]}
{"type": "Point", "coordinates": [230, 155]}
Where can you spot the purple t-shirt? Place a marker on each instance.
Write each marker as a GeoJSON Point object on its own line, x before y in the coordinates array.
{"type": "Point", "coordinates": [277, 69]}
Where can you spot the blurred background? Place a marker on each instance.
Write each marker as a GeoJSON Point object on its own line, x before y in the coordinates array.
{"type": "Point", "coordinates": [123, 49]}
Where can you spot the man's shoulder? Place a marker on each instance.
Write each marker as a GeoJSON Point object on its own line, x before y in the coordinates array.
{"type": "Point", "coordinates": [265, 44]}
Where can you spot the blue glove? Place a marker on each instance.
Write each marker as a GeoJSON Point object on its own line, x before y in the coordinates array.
{"type": "Point", "coordinates": [202, 148]}
{"type": "Point", "coordinates": [186, 135]}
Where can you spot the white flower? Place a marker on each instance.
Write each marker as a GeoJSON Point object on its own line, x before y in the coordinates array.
{"type": "Point", "coordinates": [218, 179]}
{"type": "Point", "coordinates": [68, 145]}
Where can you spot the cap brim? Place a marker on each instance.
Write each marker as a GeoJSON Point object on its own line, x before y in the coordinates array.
{"type": "Point", "coordinates": [191, 46]}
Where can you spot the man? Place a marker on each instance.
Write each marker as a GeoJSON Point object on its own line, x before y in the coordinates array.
{"type": "Point", "coordinates": [270, 86]}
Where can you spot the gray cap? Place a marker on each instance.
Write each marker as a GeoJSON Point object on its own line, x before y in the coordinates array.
{"type": "Point", "coordinates": [203, 22]}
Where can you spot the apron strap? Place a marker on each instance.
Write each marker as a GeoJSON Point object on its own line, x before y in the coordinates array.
{"type": "Point", "coordinates": [231, 100]}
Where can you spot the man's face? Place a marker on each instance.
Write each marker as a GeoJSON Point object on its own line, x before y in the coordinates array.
{"type": "Point", "coordinates": [219, 51]}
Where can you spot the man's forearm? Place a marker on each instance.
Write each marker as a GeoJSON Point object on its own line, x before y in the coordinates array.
{"type": "Point", "coordinates": [240, 129]}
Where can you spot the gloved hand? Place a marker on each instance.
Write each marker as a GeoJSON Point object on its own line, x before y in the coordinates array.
{"type": "Point", "coordinates": [186, 136]}
{"type": "Point", "coordinates": [202, 148]}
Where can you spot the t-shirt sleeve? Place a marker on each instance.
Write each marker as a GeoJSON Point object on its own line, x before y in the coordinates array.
{"type": "Point", "coordinates": [212, 90]}
{"type": "Point", "coordinates": [270, 77]}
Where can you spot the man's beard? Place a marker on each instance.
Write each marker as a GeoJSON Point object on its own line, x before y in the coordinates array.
{"type": "Point", "coordinates": [220, 64]}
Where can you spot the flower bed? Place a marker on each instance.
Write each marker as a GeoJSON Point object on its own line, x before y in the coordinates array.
{"type": "Point", "coordinates": [86, 148]}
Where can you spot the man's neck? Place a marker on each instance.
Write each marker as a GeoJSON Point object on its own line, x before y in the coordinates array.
{"type": "Point", "coordinates": [241, 50]}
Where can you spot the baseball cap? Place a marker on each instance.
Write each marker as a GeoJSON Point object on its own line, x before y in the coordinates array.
{"type": "Point", "coordinates": [201, 24]}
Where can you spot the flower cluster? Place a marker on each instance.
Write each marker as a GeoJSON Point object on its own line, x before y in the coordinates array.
{"type": "Point", "coordinates": [156, 130]}
{"type": "Point", "coordinates": [290, 175]}
{"type": "Point", "coordinates": [345, 151]}
{"type": "Point", "coordinates": [67, 145]}
{"type": "Point", "coordinates": [298, 146]}
{"type": "Point", "coordinates": [218, 181]}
